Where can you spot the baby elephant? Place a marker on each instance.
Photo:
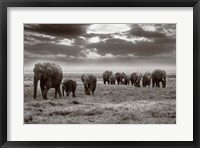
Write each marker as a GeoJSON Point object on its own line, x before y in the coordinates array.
{"type": "Point", "coordinates": [69, 86]}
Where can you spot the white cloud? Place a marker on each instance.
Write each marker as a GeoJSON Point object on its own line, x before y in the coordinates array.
{"type": "Point", "coordinates": [150, 28]}
{"type": "Point", "coordinates": [82, 37]}
{"type": "Point", "coordinates": [27, 33]}
{"type": "Point", "coordinates": [169, 32]}
{"type": "Point", "coordinates": [66, 42]}
{"type": "Point", "coordinates": [90, 53]}
{"type": "Point", "coordinates": [93, 54]}
{"type": "Point", "coordinates": [108, 55]}
{"type": "Point", "coordinates": [134, 40]}
{"type": "Point", "coordinates": [108, 28]}
{"type": "Point", "coordinates": [95, 39]}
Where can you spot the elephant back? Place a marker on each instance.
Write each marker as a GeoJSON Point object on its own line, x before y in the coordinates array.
{"type": "Point", "coordinates": [107, 74]}
{"type": "Point", "coordinates": [86, 78]}
{"type": "Point", "coordinates": [158, 74]}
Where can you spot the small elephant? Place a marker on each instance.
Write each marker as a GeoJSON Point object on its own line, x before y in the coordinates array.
{"type": "Point", "coordinates": [146, 79]}
{"type": "Point", "coordinates": [112, 80]}
{"type": "Point", "coordinates": [136, 78]}
{"type": "Point", "coordinates": [69, 86]}
{"type": "Point", "coordinates": [89, 82]}
{"type": "Point", "coordinates": [158, 76]}
{"type": "Point", "coordinates": [118, 77]}
{"type": "Point", "coordinates": [50, 76]}
{"type": "Point", "coordinates": [106, 76]}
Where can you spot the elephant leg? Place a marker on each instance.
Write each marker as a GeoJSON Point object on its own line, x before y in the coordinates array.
{"type": "Point", "coordinates": [63, 91]}
{"type": "Point", "coordinates": [93, 88]}
{"type": "Point", "coordinates": [56, 91]}
{"type": "Point", "coordinates": [59, 92]}
{"type": "Point", "coordinates": [73, 94]}
{"type": "Point", "coordinates": [153, 83]}
{"type": "Point", "coordinates": [86, 90]}
{"type": "Point", "coordinates": [45, 93]}
{"type": "Point", "coordinates": [158, 84]}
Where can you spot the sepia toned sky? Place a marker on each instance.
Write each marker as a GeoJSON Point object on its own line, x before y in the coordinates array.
{"type": "Point", "coordinates": [100, 47]}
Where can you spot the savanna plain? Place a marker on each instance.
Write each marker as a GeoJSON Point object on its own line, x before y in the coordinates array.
{"type": "Point", "coordinates": [110, 104]}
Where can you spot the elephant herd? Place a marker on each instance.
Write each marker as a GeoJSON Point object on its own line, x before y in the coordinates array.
{"type": "Point", "coordinates": [51, 75]}
{"type": "Point", "coordinates": [157, 76]}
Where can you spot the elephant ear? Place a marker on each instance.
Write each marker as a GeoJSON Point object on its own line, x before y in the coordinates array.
{"type": "Point", "coordinates": [48, 72]}
{"type": "Point", "coordinates": [38, 67]}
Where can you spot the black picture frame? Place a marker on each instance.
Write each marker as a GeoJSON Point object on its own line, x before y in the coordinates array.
{"type": "Point", "coordinates": [99, 3]}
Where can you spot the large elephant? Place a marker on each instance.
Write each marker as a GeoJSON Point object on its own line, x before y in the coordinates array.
{"type": "Point", "coordinates": [69, 86]}
{"type": "Point", "coordinates": [158, 76]}
{"type": "Point", "coordinates": [118, 77]}
{"type": "Point", "coordinates": [50, 76]}
{"type": "Point", "coordinates": [89, 82]}
{"type": "Point", "coordinates": [125, 79]}
{"type": "Point", "coordinates": [106, 76]}
{"type": "Point", "coordinates": [146, 79]}
{"type": "Point", "coordinates": [112, 80]}
{"type": "Point", "coordinates": [136, 78]}
{"type": "Point", "coordinates": [122, 77]}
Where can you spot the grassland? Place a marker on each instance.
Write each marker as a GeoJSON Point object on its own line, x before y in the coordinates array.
{"type": "Point", "coordinates": [111, 104]}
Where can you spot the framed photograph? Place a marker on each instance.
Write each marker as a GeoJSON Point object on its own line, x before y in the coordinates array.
{"type": "Point", "coordinates": [105, 73]}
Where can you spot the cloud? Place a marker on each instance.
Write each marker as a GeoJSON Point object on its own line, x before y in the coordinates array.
{"type": "Point", "coordinates": [31, 38]}
{"type": "Point", "coordinates": [93, 54]}
{"type": "Point", "coordinates": [27, 33]}
{"type": "Point", "coordinates": [82, 37]}
{"type": "Point", "coordinates": [95, 39]}
{"type": "Point", "coordinates": [90, 53]}
{"type": "Point", "coordinates": [132, 39]}
{"type": "Point", "coordinates": [59, 30]}
{"type": "Point", "coordinates": [101, 44]}
{"type": "Point", "coordinates": [49, 56]}
{"type": "Point", "coordinates": [66, 42]}
{"type": "Point", "coordinates": [107, 28]}
{"type": "Point", "coordinates": [150, 28]}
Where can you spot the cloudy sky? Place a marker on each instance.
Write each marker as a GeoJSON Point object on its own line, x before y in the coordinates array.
{"type": "Point", "coordinates": [100, 47]}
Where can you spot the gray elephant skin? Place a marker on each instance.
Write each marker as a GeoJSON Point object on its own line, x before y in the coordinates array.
{"type": "Point", "coordinates": [125, 79]}
{"type": "Point", "coordinates": [69, 86]}
{"type": "Point", "coordinates": [146, 79]}
{"type": "Point", "coordinates": [89, 82]}
{"type": "Point", "coordinates": [106, 76]}
{"type": "Point", "coordinates": [118, 77]}
{"type": "Point", "coordinates": [122, 77]}
{"type": "Point", "coordinates": [136, 78]}
{"type": "Point", "coordinates": [112, 80]}
{"type": "Point", "coordinates": [50, 76]}
{"type": "Point", "coordinates": [158, 76]}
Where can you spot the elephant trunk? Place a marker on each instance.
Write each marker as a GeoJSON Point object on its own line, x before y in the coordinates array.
{"type": "Point", "coordinates": [35, 87]}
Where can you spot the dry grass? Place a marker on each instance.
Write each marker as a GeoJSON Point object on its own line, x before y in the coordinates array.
{"type": "Point", "coordinates": [111, 104]}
